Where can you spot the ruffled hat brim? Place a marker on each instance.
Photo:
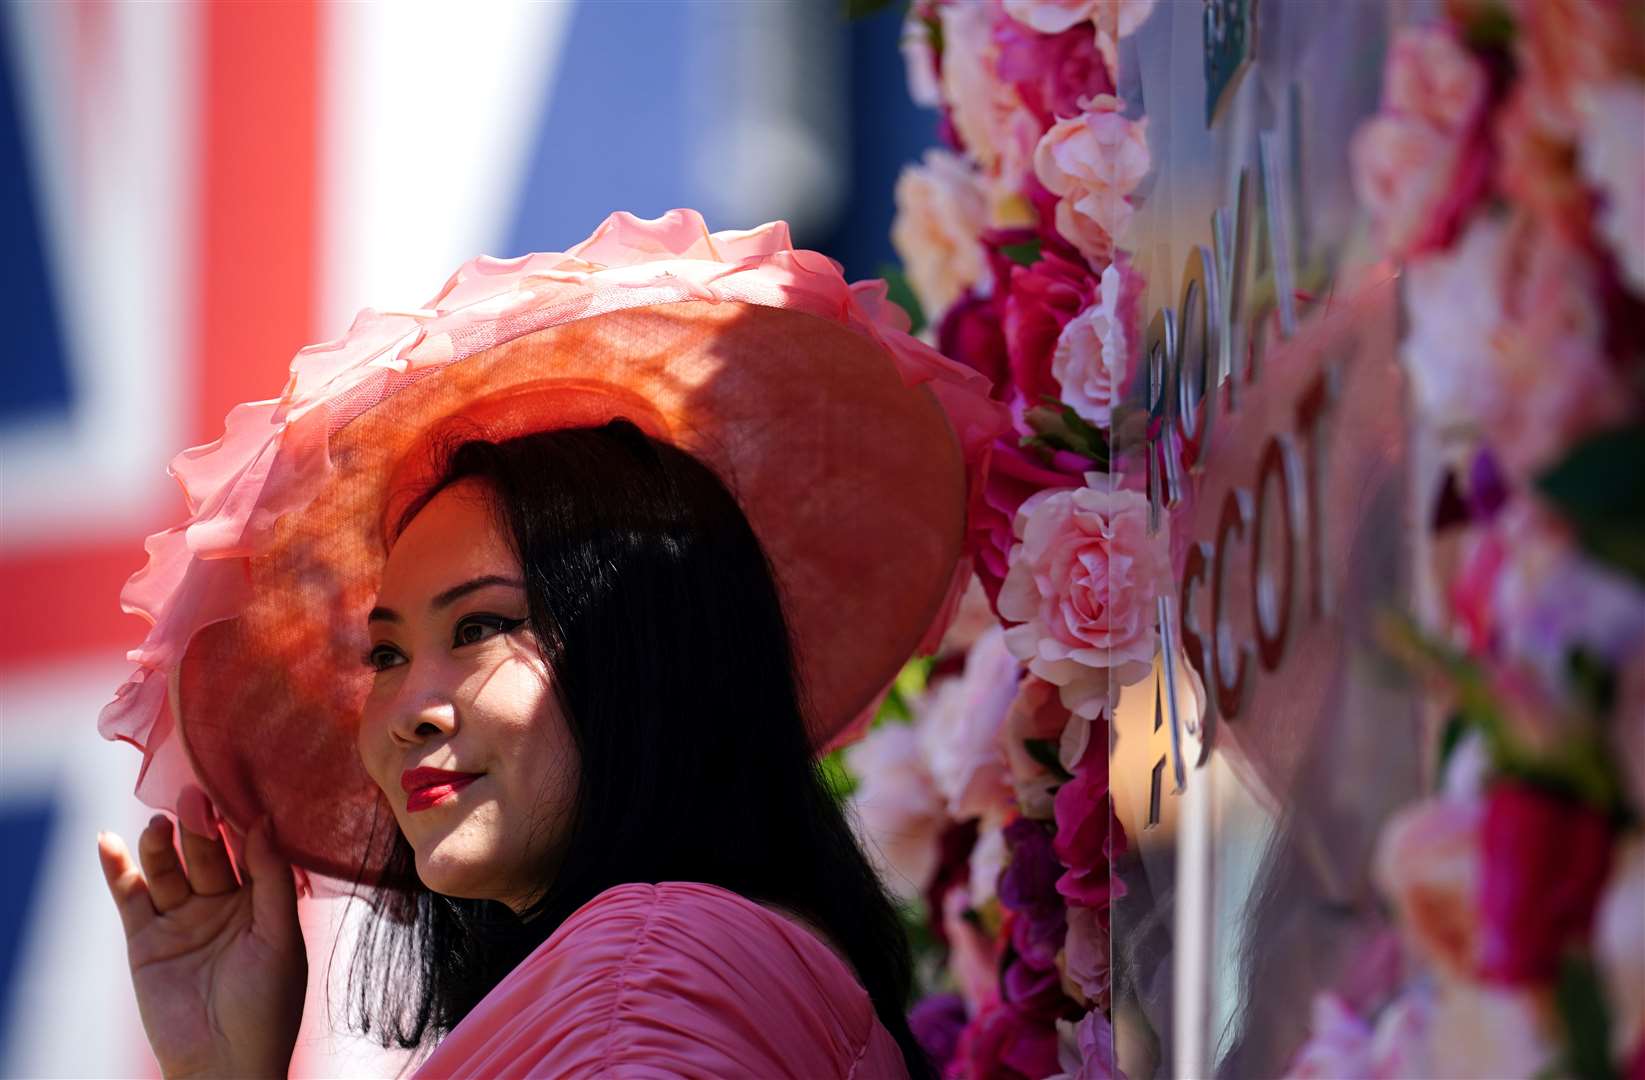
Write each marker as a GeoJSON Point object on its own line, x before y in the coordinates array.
{"type": "Point", "coordinates": [854, 449]}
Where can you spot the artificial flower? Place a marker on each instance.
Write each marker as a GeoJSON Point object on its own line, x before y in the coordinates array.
{"type": "Point", "coordinates": [1085, 956]}
{"type": "Point", "coordinates": [1041, 300]}
{"type": "Point", "coordinates": [959, 722]}
{"type": "Point", "coordinates": [1003, 1043]}
{"type": "Point", "coordinates": [1053, 72]}
{"type": "Point", "coordinates": [1427, 863]}
{"type": "Point", "coordinates": [972, 960]}
{"type": "Point", "coordinates": [971, 333]}
{"type": "Point", "coordinates": [1037, 715]}
{"type": "Point", "coordinates": [1613, 115]}
{"type": "Point", "coordinates": [1342, 1044]}
{"type": "Point", "coordinates": [1094, 163]}
{"type": "Point", "coordinates": [1085, 1050]}
{"type": "Point", "coordinates": [941, 212]}
{"type": "Point", "coordinates": [937, 1022]}
{"type": "Point", "coordinates": [1028, 889]}
{"type": "Point", "coordinates": [1423, 161]}
{"type": "Point", "coordinates": [1015, 473]}
{"type": "Point", "coordinates": [1543, 860]}
{"type": "Point", "coordinates": [1081, 583]}
{"type": "Point", "coordinates": [900, 811]}
{"type": "Point", "coordinates": [1619, 947]}
{"type": "Point", "coordinates": [1083, 816]}
{"type": "Point", "coordinates": [1095, 351]}
{"type": "Point", "coordinates": [994, 124]}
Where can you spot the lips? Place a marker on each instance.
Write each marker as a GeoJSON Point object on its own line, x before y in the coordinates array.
{"type": "Point", "coordinates": [427, 787]}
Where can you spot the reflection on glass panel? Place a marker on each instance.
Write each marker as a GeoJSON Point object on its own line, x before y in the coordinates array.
{"type": "Point", "coordinates": [1254, 764]}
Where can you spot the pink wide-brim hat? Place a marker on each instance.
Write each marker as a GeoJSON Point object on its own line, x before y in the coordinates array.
{"type": "Point", "coordinates": [854, 449]}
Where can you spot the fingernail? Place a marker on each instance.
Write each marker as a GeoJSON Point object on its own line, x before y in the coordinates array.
{"type": "Point", "coordinates": [159, 821]}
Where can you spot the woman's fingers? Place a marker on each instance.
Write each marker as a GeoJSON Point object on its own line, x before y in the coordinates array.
{"type": "Point", "coordinates": [126, 884]}
{"type": "Point", "coordinates": [167, 883]}
{"type": "Point", "coordinates": [273, 890]}
{"type": "Point", "coordinates": [209, 870]}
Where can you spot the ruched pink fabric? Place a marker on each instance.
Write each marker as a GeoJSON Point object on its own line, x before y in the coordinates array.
{"type": "Point", "coordinates": [678, 979]}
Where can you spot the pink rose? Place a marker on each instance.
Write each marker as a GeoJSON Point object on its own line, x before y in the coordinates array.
{"type": "Point", "coordinates": [1428, 864]}
{"type": "Point", "coordinates": [1423, 161]}
{"type": "Point", "coordinates": [1093, 163]}
{"type": "Point", "coordinates": [1506, 338]}
{"type": "Point", "coordinates": [1082, 812]}
{"type": "Point", "coordinates": [898, 807]}
{"type": "Point", "coordinates": [1082, 584]}
{"type": "Point", "coordinates": [941, 212]}
{"type": "Point", "coordinates": [1085, 1050]}
{"type": "Point", "coordinates": [1543, 862]}
{"type": "Point", "coordinates": [994, 124]}
{"type": "Point", "coordinates": [1085, 956]}
{"type": "Point", "coordinates": [959, 723]}
{"type": "Point", "coordinates": [1036, 715]}
{"type": "Point", "coordinates": [1051, 16]}
{"type": "Point", "coordinates": [1015, 472]}
{"type": "Point", "coordinates": [1094, 352]}
{"type": "Point", "coordinates": [1053, 72]}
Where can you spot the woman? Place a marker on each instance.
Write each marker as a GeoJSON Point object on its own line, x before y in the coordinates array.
{"type": "Point", "coordinates": [533, 607]}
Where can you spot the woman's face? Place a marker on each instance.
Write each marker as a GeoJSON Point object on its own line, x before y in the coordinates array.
{"type": "Point", "coordinates": [462, 729]}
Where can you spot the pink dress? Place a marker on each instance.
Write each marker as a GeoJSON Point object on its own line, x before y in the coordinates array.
{"type": "Point", "coordinates": [678, 979]}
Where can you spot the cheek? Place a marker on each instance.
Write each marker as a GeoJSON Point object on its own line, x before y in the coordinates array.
{"type": "Point", "coordinates": [371, 741]}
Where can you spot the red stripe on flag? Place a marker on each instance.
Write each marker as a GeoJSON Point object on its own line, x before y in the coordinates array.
{"type": "Point", "coordinates": [260, 238]}
{"type": "Point", "coordinates": [256, 264]}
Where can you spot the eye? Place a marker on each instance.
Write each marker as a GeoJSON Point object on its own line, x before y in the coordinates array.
{"type": "Point", "coordinates": [474, 629]}
{"type": "Point", "coordinates": [382, 656]}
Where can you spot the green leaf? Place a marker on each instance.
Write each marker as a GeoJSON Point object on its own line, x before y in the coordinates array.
{"type": "Point", "coordinates": [1577, 766]}
{"type": "Point", "coordinates": [1450, 738]}
{"type": "Point", "coordinates": [1058, 427]}
{"type": "Point", "coordinates": [1026, 253]}
{"type": "Point", "coordinates": [1600, 488]}
{"type": "Point", "coordinates": [1490, 29]}
{"type": "Point", "coordinates": [1585, 1021]}
{"type": "Point", "coordinates": [836, 777]}
{"type": "Point", "coordinates": [1044, 751]}
{"type": "Point", "coordinates": [862, 9]}
{"type": "Point", "coordinates": [899, 292]}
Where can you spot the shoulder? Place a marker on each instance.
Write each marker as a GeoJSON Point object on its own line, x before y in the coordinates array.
{"type": "Point", "coordinates": [672, 979]}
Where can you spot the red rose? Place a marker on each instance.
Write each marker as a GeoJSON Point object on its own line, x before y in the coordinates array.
{"type": "Point", "coordinates": [1042, 299]}
{"type": "Point", "coordinates": [1543, 862]}
{"type": "Point", "coordinates": [970, 333]}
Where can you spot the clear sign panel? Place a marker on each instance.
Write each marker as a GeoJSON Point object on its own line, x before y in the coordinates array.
{"type": "Point", "coordinates": [1252, 769]}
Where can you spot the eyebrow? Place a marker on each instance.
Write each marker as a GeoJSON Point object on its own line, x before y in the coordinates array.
{"type": "Point", "coordinates": [449, 597]}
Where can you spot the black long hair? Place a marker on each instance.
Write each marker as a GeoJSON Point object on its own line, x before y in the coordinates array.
{"type": "Point", "coordinates": [659, 616]}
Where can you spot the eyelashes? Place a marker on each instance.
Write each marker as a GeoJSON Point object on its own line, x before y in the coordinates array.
{"type": "Point", "coordinates": [470, 630]}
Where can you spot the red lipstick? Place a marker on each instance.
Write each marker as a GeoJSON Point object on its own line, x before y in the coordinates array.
{"type": "Point", "coordinates": [427, 787]}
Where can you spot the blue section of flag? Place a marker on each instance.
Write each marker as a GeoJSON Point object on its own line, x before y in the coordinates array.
{"type": "Point", "coordinates": [25, 832]}
{"type": "Point", "coordinates": [36, 372]}
{"type": "Point", "coordinates": [609, 138]}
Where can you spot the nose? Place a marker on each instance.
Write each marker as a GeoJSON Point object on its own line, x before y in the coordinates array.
{"type": "Point", "coordinates": [428, 716]}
